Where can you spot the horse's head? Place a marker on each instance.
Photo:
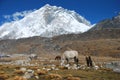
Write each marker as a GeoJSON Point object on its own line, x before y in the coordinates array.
{"type": "Point", "coordinates": [58, 58]}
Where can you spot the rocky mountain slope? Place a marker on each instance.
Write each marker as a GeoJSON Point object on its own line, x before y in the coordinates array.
{"type": "Point", "coordinates": [113, 23]}
{"type": "Point", "coordinates": [38, 45]}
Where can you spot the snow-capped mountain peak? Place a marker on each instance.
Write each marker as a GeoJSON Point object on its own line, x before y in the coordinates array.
{"type": "Point", "coordinates": [48, 21]}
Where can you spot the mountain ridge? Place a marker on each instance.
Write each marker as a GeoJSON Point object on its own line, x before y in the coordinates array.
{"type": "Point", "coordinates": [48, 21]}
{"type": "Point", "coordinates": [113, 23]}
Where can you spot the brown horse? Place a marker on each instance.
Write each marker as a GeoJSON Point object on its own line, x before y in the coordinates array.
{"type": "Point", "coordinates": [58, 58]}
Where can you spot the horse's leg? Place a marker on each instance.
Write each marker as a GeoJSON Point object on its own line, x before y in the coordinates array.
{"type": "Point", "coordinates": [30, 58]}
{"type": "Point", "coordinates": [59, 58]}
{"type": "Point", "coordinates": [76, 60]}
{"type": "Point", "coordinates": [67, 60]}
{"type": "Point", "coordinates": [55, 58]}
{"type": "Point", "coordinates": [62, 62]}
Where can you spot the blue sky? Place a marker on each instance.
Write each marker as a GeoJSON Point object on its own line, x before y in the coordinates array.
{"type": "Point", "coordinates": [92, 10]}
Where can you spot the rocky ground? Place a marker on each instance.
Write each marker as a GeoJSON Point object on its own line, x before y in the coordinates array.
{"type": "Point", "coordinates": [46, 68]}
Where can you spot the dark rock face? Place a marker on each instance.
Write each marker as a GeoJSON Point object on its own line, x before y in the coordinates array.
{"type": "Point", "coordinates": [113, 23]}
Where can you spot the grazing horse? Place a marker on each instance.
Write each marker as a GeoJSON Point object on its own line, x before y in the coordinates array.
{"type": "Point", "coordinates": [33, 56]}
{"type": "Point", "coordinates": [58, 58]}
{"type": "Point", "coordinates": [67, 55]}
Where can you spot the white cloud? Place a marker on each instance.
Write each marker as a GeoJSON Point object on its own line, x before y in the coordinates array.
{"type": "Point", "coordinates": [17, 15]}
{"type": "Point", "coordinates": [7, 17]}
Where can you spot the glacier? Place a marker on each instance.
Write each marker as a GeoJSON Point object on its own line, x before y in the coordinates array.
{"type": "Point", "coordinates": [48, 21]}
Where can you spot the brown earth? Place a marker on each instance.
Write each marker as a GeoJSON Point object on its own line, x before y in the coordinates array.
{"type": "Point", "coordinates": [97, 43]}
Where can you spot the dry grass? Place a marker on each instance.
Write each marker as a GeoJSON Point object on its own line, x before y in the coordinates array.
{"type": "Point", "coordinates": [19, 78]}
{"type": "Point", "coordinates": [18, 72]}
{"type": "Point", "coordinates": [73, 78]}
{"type": "Point", "coordinates": [87, 74]}
{"type": "Point", "coordinates": [41, 72]}
{"type": "Point", "coordinates": [53, 77]}
{"type": "Point", "coordinates": [9, 72]}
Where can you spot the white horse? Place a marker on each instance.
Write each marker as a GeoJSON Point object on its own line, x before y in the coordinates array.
{"type": "Point", "coordinates": [67, 55]}
{"type": "Point", "coordinates": [33, 56]}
